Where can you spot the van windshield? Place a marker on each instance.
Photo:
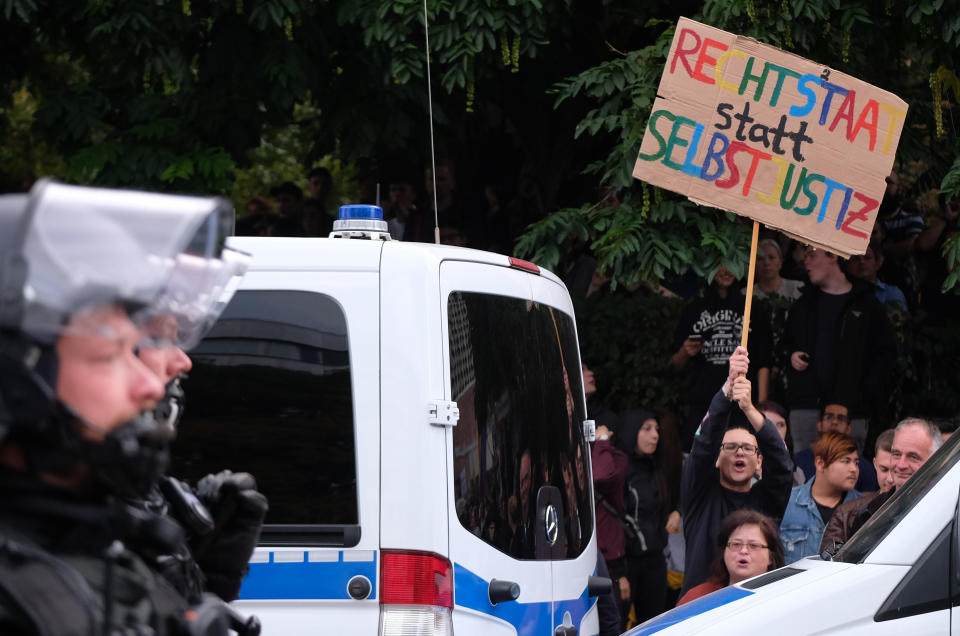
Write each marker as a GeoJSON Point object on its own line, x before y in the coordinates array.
{"type": "Point", "coordinates": [901, 503]}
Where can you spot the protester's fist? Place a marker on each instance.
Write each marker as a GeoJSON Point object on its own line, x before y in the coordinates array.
{"type": "Point", "coordinates": [692, 346]}
{"type": "Point", "coordinates": [800, 360]}
{"type": "Point", "coordinates": [740, 393]}
{"type": "Point", "coordinates": [603, 433]}
{"type": "Point", "coordinates": [739, 363]}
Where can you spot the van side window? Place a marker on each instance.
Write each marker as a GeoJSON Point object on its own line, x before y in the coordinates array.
{"type": "Point", "coordinates": [515, 375]}
{"type": "Point", "coordinates": [931, 585]}
{"type": "Point", "coordinates": [270, 394]}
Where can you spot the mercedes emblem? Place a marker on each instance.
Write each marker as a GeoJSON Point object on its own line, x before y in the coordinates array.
{"type": "Point", "coordinates": [551, 524]}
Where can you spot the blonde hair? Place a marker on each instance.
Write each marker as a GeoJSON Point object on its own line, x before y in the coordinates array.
{"type": "Point", "coordinates": [772, 243]}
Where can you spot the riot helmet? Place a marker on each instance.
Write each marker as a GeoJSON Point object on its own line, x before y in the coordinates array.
{"type": "Point", "coordinates": [90, 266]}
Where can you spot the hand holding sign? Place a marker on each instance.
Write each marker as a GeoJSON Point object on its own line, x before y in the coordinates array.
{"type": "Point", "coordinates": [763, 133]}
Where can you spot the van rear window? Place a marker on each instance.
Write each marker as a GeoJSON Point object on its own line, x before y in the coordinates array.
{"type": "Point", "coordinates": [270, 394]}
{"type": "Point", "coordinates": [515, 374]}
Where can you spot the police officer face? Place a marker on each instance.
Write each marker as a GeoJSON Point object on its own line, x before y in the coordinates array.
{"type": "Point", "coordinates": [166, 362]}
{"type": "Point", "coordinates": [164, 359]}
{"type": "Point", "coordinates": [100, 376]}
{"type": "Point", "coordinates": [161, 356]}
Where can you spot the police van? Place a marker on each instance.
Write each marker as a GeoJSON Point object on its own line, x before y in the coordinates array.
{"type": "Point", "coordinates": [899, 574]}
{"type": "Point", "coordinates": [416, 417]}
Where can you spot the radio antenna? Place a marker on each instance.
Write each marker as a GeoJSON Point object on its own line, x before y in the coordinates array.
{"type": "Point", "coordinates": [433, 159]}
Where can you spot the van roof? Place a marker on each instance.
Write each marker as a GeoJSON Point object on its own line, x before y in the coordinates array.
{"type": "Point", "coordinates": [324, 254]}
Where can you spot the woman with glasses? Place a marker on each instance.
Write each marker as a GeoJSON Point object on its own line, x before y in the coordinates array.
{"type": "Point", "coordinates": [812, 504]}
{"type": "Point", "coordinates": [750, 546]}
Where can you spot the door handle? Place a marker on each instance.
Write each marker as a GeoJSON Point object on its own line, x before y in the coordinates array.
{"type": "Point", "coordinates": [598, 585]}
{"type": "Point", "coordinates": [502, 591]}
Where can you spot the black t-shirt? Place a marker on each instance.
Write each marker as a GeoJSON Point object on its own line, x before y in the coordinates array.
{"type": "Point", "coordinates": [719, 321]}
{"type": "Point", "coordinates": [829, 309]}
{"type": "Point", "coordinates": [825, 511]}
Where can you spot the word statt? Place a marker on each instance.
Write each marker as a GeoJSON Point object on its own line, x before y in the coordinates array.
{"type": "Point", "coordinates": [748, 128]}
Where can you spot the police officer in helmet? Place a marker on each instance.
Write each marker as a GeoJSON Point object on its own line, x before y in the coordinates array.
{"type": "Point", "coordinates": [80, 268]}
{"type": "Point", "coordinates": [223, 515]}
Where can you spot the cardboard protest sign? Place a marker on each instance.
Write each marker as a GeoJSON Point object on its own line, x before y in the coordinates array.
{"type": "Point", "coordinates": [766, 134]}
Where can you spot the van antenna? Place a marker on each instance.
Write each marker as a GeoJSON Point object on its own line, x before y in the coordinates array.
{"type": "Point", "coordinates": [433, 159]}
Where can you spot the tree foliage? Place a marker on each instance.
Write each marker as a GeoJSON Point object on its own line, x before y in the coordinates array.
{"type": "Point", "coordinates": [175, 93]}
{"type": "Point", "coordinates": [194, 95]}
{"type": "Point", "coordinates": [906, 47]}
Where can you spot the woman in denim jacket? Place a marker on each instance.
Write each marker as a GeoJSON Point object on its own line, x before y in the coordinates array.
{"type": "Point", "coordinates": [812, 504]}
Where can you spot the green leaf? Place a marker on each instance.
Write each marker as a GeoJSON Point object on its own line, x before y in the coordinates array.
{"type": "Point", "coordinates": [181, 168]}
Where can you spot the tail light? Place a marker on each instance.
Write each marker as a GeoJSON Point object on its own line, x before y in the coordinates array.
{"type": "Point", "coordinates": [416, 594]}
{"type": "Point", "coordinates": [527, 266]}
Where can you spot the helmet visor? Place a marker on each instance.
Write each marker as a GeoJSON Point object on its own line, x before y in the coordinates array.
{"type": "Point", "coordinates": [192, 300]}
{"type": "Point", "coordinates": [89, 246]}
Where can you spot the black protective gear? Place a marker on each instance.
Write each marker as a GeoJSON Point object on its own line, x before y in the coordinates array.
{"type": "Point", "coordinates": [131, 458]}
{"type": "Point", "coordinates": [169, 410]}
{"type": "Point", "coordinates": [238, 509]}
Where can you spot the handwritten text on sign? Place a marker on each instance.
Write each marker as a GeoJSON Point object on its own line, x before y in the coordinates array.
{"type": "Point", "coordinates": [764, 133]}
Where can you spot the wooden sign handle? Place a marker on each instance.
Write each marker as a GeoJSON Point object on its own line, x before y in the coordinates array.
{"type": "Point", "coordinates": [749, 291]}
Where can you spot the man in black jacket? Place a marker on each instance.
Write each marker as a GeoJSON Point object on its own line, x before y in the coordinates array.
{"type": "Point", "coordinates": [733, 441]}
{"type": "Point", "coordinates": [841, 347]}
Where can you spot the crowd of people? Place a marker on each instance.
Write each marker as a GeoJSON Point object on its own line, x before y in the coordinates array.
{"type": "Point", "coordinates": [741, 503]}
{"type": "Point", "coordinates": [786, 450]}
{"type": "Point", "coordinates": [489, 219]}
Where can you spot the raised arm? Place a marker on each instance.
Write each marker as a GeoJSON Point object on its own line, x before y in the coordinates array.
{"type": "Point", "coordinates": [699, 467]}
{"type": "Point", "coordinates": [609, 467]}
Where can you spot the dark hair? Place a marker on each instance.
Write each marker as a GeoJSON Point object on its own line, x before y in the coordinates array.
{"type": "Point", "coordinates": [667, 458]}
{"type": "Point", "coordinates": [770, 405]}
{"type": "Point", "coordinates": [776, 407]}
{"type": "Point", "coordinates": [320, 172]}
{"type": "Point", "coordinates": [884, 442]}
{"type": "Point", "coordinates": [946, 424]}
{"type": "Point", "coordinates": [287, 187]}
{"type": "Point", "coordinates": [737, 424]}
{"type": "Point", "coordinates": [729, 525]}
{"type": "Point", "coordinates": [823, 409]}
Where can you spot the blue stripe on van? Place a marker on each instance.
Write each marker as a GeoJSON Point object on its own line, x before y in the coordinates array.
{"type": "Point", "coordinates": [306, 579]}
{"type": "Point", "coordinates": [689, 610]}
{"type": "Point", "coordinates": [471, 592]}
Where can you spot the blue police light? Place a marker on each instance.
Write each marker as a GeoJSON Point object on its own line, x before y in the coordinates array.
{"type": "Point", "coordinates": [360, 221]}
{"type": "Point", "coordinates": [356, 212]}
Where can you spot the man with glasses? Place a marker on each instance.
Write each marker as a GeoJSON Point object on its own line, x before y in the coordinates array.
{"type": "Point", "coordinates": [836, 418]}
{"type": "Point", "coordinates": [841, 347]}
{"type": "Point", "coordinates": [732, 443]}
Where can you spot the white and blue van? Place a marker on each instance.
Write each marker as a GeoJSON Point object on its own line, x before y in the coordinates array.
{"type": "Point", "coordinates": [415, 415]}
{"type": "Point", "coordinates": [899, 574]}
